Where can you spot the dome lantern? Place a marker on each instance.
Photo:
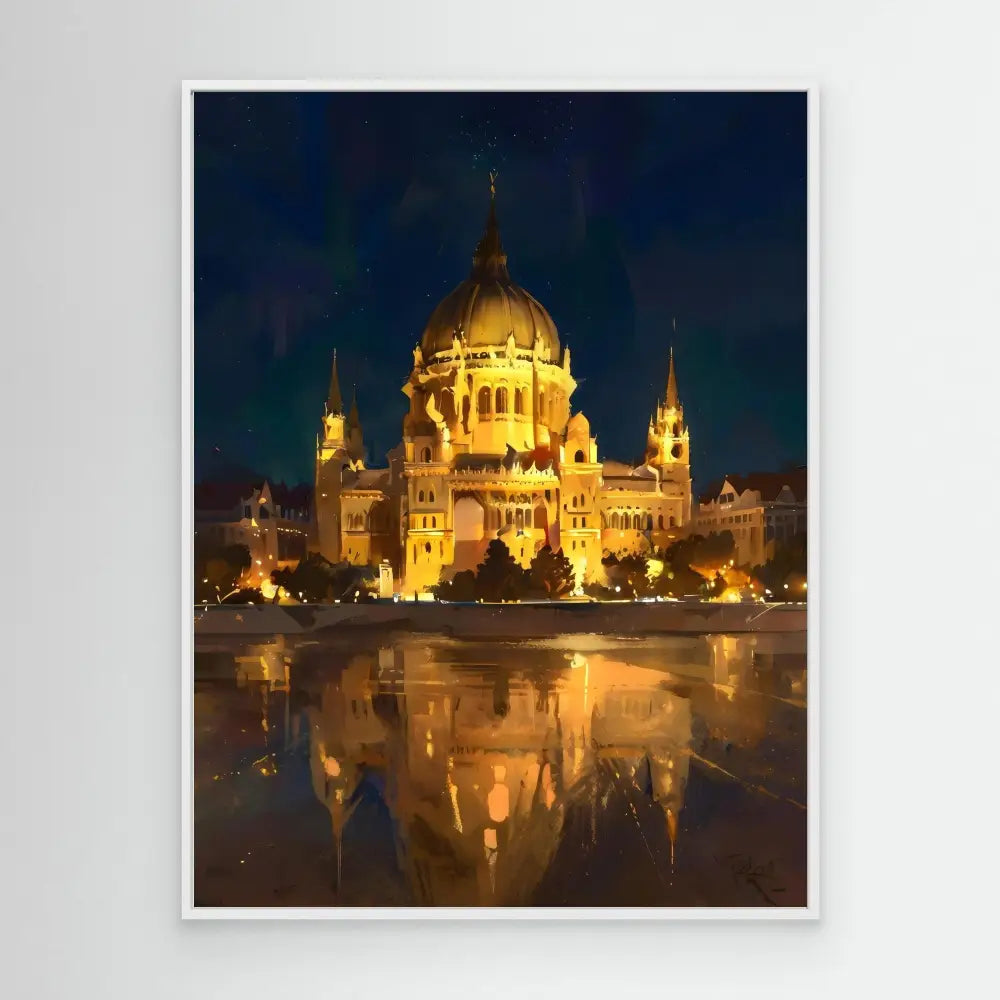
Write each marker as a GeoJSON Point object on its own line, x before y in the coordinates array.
{"type": "Point", "coordinates": [488, 306]}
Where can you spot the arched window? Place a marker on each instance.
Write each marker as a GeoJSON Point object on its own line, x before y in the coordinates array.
{"type": "Point", "coordinates": [574, 522]}
{"type": "Point", "coordinates": [637, 522]}
{"type": "Point", "coordinates": [484, 400]}
{"type": "Point", "coordinates": [414, 553]}
{"type": "Point", "coordinates": [420, 496]}
{"type": "Point", "coordinates": [434, 522]}
{"type": "Point", "coordinates": [425, 455]}
{"type": "Point", "coordinates": [659, 522]}
{"type": "Point", "coordinates": [501, 400]}
{"type": "Point", "coordinates": [509, 516]}
{"type": "Point", "coordinates": [672, 522]}
{"type": "Point", "coordinates": [614, 520]}
{"type": "Point", "coordinates": [579, 456]}
{"type": "Point", "coordinates": [649, 522]}
{"type": "Point", "coordinates": [583, 522]}
{"type": "Point", "coordinates": [425, 523]}
{"type": "Point", "coordinates": [430, 497]}
{"type": "Point", "coordinates": [519, 401]}
{"type": "Point", "coordinates": [574, 501]}
{"type": "Point", "coordinates": [583, 499]}
{"type": "Point", "coordinates": [427, 547]}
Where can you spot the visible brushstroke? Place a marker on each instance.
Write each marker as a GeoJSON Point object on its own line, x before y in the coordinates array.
{"type": "Point", "coordinates": [601, 774]}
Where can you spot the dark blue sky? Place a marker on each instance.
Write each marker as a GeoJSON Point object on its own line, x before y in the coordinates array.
{"type": "Point", "coordinates": [340, 220]}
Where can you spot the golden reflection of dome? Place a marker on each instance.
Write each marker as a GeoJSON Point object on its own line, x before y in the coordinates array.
{"type": "Point", "coordinates": [488, 306]}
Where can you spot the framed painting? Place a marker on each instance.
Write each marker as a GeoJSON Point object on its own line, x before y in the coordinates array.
{"type": "Point", "coordinates": [500, 465]}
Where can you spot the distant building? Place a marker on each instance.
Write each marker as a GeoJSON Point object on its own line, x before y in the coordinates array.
{"type": "Point", "coordinates": [272, 521]}
{"type": "Point", "coordinates": [759, 509]}
{"type": "Point", "coordinates": [490, 449]}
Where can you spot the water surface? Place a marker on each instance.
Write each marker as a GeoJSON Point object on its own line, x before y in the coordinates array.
{"type": "Point", "coordinates": [578, 770]}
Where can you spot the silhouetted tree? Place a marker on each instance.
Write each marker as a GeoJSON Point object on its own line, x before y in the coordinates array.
{"type": "Point", "coordinates": [629, 574]}
{"type": "Point", "coordinates": [499, 577]}
{"type": "Point", "coordinates": [788, 565]}
{"type": "Point", "coordinates": [551, 573]}
{"type": "Point", "coordinates": [218, 569]}
{"type": "Point", "coordinates": [317, 579]}
{"type": "Point", "coordinates": [462, 587]}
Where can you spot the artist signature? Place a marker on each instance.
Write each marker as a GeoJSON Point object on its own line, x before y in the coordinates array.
{"type": "Point", "coordinates": [763, 877]}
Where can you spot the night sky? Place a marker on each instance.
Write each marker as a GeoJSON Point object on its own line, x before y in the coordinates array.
{"type": "Point", "coordinates": [329, 221]}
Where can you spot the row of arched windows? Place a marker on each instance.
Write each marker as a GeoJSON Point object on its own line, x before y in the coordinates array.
{"type": "Point", "coordinates": [499, 401]}
{"type": "Point", "coordinates": [433, 524]}
{"type": "Point", "coordinates": [356, 522]}
{"type": "Point", "coordinates": [627, 521]}
{"type": "Point", "coordinates": [519, 517]}
{"type": "Point", "coordinates": [430, 496]}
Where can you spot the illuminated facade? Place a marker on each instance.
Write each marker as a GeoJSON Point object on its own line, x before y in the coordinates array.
{"type": "Point", "coordinates": [491, 449]}
{"type": "Point", "coordinates": [272, 522]}
{"type": "Point", "coordinates": [759, 509]}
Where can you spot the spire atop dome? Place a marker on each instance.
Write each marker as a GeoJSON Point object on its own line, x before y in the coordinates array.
{"type": "Point", "coordinates": [334, 401]}
{"type": "Point", "coordinates": [489, 260]}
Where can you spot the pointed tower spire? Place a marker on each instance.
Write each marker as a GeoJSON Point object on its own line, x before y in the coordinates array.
{"type": "Point", "coordinates": [489, 260]}
{"type": "Point", "coordinates": [672, 398]}
{"type": "Point", "coordinates": [334, 401]}
{"type": "Point", "coordinates": [353, 420]}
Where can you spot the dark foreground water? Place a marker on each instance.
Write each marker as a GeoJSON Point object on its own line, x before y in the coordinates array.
{"type": "Point", "coordinates": [573, 771]}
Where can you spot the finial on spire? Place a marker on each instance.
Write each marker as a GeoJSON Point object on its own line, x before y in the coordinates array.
{"type": "Point", "coordinates": [489, 260]}
{"type": "Point", "coordinates": [672, 397]}
{"type": "Point", "coordinates": [334, 400]}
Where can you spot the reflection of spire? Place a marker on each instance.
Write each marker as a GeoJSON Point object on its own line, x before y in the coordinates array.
{"type": "Point", "coordinates": [334, 401]}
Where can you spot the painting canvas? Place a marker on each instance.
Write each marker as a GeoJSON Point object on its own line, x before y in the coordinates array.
{"type": "Point", "coordinates": [497, 498]}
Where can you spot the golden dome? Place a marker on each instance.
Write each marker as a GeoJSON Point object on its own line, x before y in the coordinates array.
{"type": "Point", "coordinates": [488, 306]}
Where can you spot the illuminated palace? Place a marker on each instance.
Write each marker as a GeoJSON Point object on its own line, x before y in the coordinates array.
{"type": "Point", "coordinates": [490, 450]}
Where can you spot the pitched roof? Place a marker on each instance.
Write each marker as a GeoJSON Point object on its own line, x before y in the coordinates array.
{"type": "Point", "coordinates": [371, 479]}
{"type": "Point", "coordinates": [768, 484]}
{"type": "Point", "coordinates": [223, 495]}
{"type": "Point", "coordinates": [613, 468]}
{"type": "Point", "coordinates": [227, 495]}
{"type": "Point", "coordinates": [295, 497]}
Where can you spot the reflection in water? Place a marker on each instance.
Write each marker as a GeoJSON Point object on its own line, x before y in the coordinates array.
{"type": "Point", "coordinates": [554, 772]}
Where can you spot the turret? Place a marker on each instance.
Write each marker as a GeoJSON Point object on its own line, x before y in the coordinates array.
{"type": "Point", "coordinates": [668, 441]}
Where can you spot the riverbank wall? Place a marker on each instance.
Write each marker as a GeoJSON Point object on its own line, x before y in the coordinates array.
{"type": "Point", "coordinates": [503, 621]}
